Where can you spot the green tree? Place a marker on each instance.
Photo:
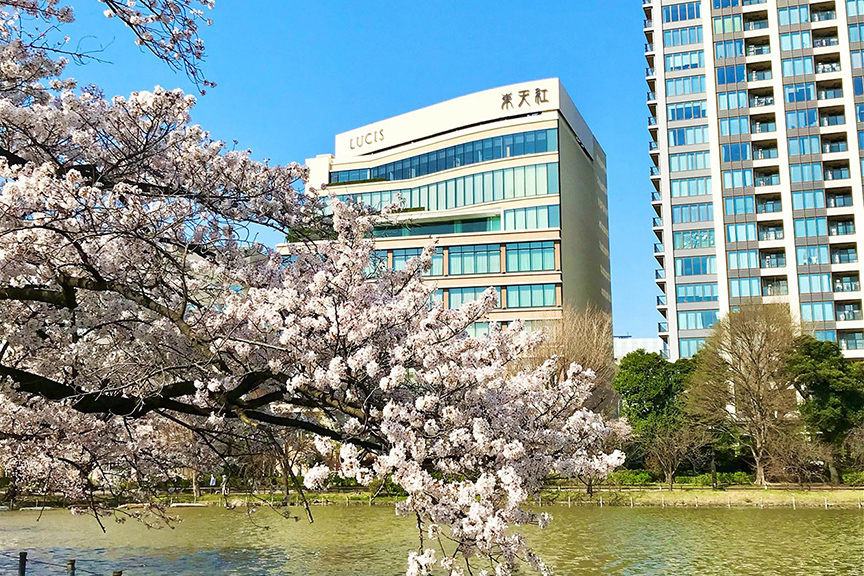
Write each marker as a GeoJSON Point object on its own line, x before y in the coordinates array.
{"type": "Point", "coordinates": [832, 389]}
{"type": "Point", "coordinates": [652, 393]}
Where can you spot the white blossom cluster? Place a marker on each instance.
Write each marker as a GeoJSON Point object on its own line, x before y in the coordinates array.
{"type": "Point", "coordinates": [138, 318]}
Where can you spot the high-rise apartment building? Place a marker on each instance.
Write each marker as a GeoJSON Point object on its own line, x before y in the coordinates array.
{"type": "Point", "coordinates": [755, 111]}
{"type": "Point", "coordinates": [510, 181]}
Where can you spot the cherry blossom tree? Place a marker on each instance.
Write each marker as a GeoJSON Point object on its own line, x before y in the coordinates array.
{"type": "Point", "coordinates": [136, 308]}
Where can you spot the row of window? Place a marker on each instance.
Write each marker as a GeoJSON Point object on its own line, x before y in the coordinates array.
{"type": "Point", "coordinates": [687, 110]}
{"type": "Point", "coordinates": [807, 172]}
{"type": "Point", "coordinates": [683, 213]}
{"type": "Point", "coordinates": [681, 12]}
{"type": "Point", "coordinates": [682, 36]}
{"type": "Point", "coordinates": [685, 85]}
{"type": "Point", "coordinates": [687, 239]}
{"type": "Point", "coordinates": [697, 319]}
{"type": "Point", "coordinates": [533, 142]}
{"type": "Point", "coordinates": [492, 186]}
{"type": "Point", "coordinates": [695, 265]}
{"type": "Point", "coordinates": [689, 135]}
{"type": "Point", "coordinates": [522, 296]}
{"type": "Point", "coordinates": [682, 187]}
{"type": "Point", "coordinates": [685, 60]}
{"type": "Point", "coordinates": [687, 161]}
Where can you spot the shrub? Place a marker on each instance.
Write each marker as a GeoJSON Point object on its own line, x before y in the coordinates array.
{"type": "Point", "coordinates": [854, 478]}
{"type": "Point", "coordinates": [630, 478]}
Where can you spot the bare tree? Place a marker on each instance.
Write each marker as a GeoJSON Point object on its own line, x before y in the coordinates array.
{"type": "Point", "coordinates": [740, 384]}
{"type": "Point", "coordinates": [583, 336]}
{"type": "Point", "coordinates": [671, 446]}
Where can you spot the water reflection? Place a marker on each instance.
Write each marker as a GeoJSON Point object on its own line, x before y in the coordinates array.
{"type": "Point", "coordinates": [363, 541]}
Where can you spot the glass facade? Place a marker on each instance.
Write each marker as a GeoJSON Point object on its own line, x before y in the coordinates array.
{"type": "Point", "coordinates": [530, 256]}
{"type": "Point", "coordinates": [533, 142]}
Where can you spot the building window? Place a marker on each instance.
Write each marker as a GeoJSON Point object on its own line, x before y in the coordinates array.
{"type": "Point", "coordinates": [697, 319]}
{"type": "Point", "coordinates": [688, 136]}
{"type": "Point", "coordinates": [706, 292]}
{"type": "Point", "coordinates": [735, 152]}
{"type": "Point", "coordinates": [810, 283]}
{"type": "Point", "coordinates": [800, 92]}
{"type": "Point", "coordinates": [687, 239]}
{"type": "Point", "coordinates": [692, 213]}
{"type": "Point", "coordinates": [795, 41]}
{"type": "Point", "coordinates": [459, 296]}
{"type": "Point", "coordinates": [531, 296]}
{"type": "Point", "coordinates": [812, 255]}
{"type": "Point", "coordinates": [731, 74]}
{"type": "Point", "coordinates": [685, 85]}
{"type": "Point", "coordinates": [734, 126]}
{"type": "Point", "coordinates": [685, 60]}
{"type": "Point", "coordinates": [687, 161]}
{"type": "Point", "coordinates": [681, 12]}
{"type": "Point", "coordinates": [804, 145]}
{"type": "Point", "coordinates": [737, 178]}
{"type": "Point", "coordinates": [688, 347]}
{"type": "Point", "coordinates": [745, 232]}
{"type": "Point", "coordinates": [793, 15]}
{"type": "Point", "coordinates": [733, 100]}
{"type": "Point", "coordinates": [809, 172]}
{"type": "Point", "coordinates": [825, 335]}
{"type": "Point", "coordinates": [530, 256]}
{"type": "Point", "coordinates": [377, 264]}
{"type": "Point", "coordinates": [481, 259]}
{"type": "Point", "coordinates": [402, 256]}
{"type": "Point", "coordinates": [809, 227]}
{"type": "Point", "coordinates": [690, 187]}
{"type": "Point", "coordinates": [797, 66]}
{"type": "Point", "coordinates": [682, 36]}
{"type": "Point", "coordinates": [532, 218]}
{"type": "Point", "coordinates": [802, 119]}
{"type": "Point", "coordinates": [743, 259]}
{"type": "Point", "coordinates": [729, 49]}
{"type": "Point", "coordinates": [817, 311]}
{"type": "Point", "coordinates": [728, 24]}
{"type": "Point", "coordinates": [808, 199]}
{"type": "Point", "coordinates": [687, 110]}
{"type": "Point", "coordinates": [740, 205]}
{"type": "Point", "coordinates": [855, 7]}
{"type": "Point", "coordinates": [696, 266]}
{"type": "Point", "coordinates": [744, 287]}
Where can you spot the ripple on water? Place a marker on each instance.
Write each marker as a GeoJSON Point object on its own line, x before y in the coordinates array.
{"type": "Point", "coordinates": [363, 541]}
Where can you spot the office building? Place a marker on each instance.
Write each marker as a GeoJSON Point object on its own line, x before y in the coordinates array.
{"type": "Point", "coordinates": [755, 111]}
{"type": "Point", "coordinates": [510, 181]}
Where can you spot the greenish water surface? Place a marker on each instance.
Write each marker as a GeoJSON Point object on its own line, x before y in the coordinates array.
{"type": "Point", "coordinates": [364, 541]}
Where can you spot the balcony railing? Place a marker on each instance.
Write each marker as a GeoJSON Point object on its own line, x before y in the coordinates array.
{"type": "Point", "coordinates": [773, 261]}
{"type": "Point", "coordinates": [826, 41]}
{"type": "Point", "coordinates": [841, 228]}
{"type": "Point", "coordinates": [839, 201]}
{"type": "Point", "coordinates": [762, 127]}
{"type": "Point", "coordinates": [652, 121]}
{"type": "Point", "coordinates": [652, 145]}
{"type": "Point", "coordinates": [648, 23]}
{"type": "Point", "coordinates": [829, 147]}
{"type": "Point", "coordinates": [771, 234]}
{"type": "Point", "coordinates": [655, 196]}
{"type": "Point", "coordinates": [823, 16]}
{"type": "Point", "coordinates": [836, 173]}
{"type": "Point", "coordinates": [764, 153]}
{"type": "Point", "coordinates": [757, 75]}
{"type": "Point", "coordinates": [848, 315]}
{"type": "Point", "coordinates": [661, 300]}
{"type": "Point", "coordinates": [775, 289]}
{"type": "Point", "coordinates": [757, 101]}
{"type": "Point", "coordinates": [659, 274]}
{"type": "Point", "coordinates": [654, 170]}
{"type": "Point", "coordinates": [756, 25]}
{"type": "Point", "coordinates": [826, 67]}
{"type": "Point", "coordinates": [758, 49]}
{"type": "Point", "coordinates": [663, 327]}
{"type": "Point", "coordinates": [835, 120]}
{"type": "Point", "coordinates": [847, 286]}
{"type": "Point", "coordinates": [649, 47]}
{"type": "Point", "coordinates": [851, 341]}
{"type": "Point", "coordinates": [767, 180]}
{"type": "Point", "coordinates": [829, 94]}
{"type": "Point", "coordinates": [651, 96]}
{"type": "Point", "coordinates": [658, 247]}
{"type": "Point", "coordinates": [649, 72]}
{"type": "Point", "coordinates": [657, 222]}
{"type": "Point", "coordinates": [768, 207]}
{"type": "Point", "coordinates": [844, 256]}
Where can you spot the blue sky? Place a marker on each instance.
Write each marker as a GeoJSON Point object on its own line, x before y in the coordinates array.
{"type": "Point", "coordinates": [291, 75]}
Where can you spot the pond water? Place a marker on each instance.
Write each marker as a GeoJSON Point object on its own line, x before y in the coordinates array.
{"type": "Point", "coordinates": [372, 541]}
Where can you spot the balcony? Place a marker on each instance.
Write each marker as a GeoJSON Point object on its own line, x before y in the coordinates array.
{"type": "Point", "coordinates": [649, 72]}
{"type": "Point", "coordinates": [766, 180]}
{"type": "Point", "coordinates": [836, 173]}
{"type": "Point", "coordinates": [757, 101]}
{"type": "Point", "coordinates": [652, 145]}
{"type": "Point", "coordinates": [652, 121]}
{"type": "Point", "coordinates": [847, 284]}
{"type": "Point", "coordinates": [763, 127]}
{"type": "Point", "coordinates": [661, 300]}
{"type": "Point", "coordinates": [651, 96]}
{"type": "Point", "coordinates": [823, 15]}
{"type": "Point", "coordinates": [775, 288]}
{"type": "Point", "coordinates": [764, 153]}
{"type": "Point", "coordinates": [659, 274]}
{"type": "Point", "coordinates": [848, 315]}
{"type": "Point", "coordinates": [773, 261]}
{"type": "Point", "coordinates": [663, 327]}
{"type": "Point", "coordinates": [830, 147]}
{"type": "Point", "coordinates": [825, 41]}
{"type": "Point", "coordinates": [657, 222]}
{"type": "Point", "coordinates": [768, 206]}
{"type": "Point", "coordinates": [839, 201]}
{"type": "Point", "coordinates": [648, 23]}
{"type": "Point", "coordinates": [658, 247]}
{"type": "Point", "coordinates": [844, 256]}
{"type": "Point", "coordinates": [854, 341]}
{"type": "Point", "coordinates": [841, 228]}
{"type": "Point", "coordinates": [757, 75]}
{"type": "Point", "coordinates": [654, 170]}
{"type": "Point", "coordinates": [655, 196]}
{"type": "Point", "coordinates": [758, 49]}
{"type": "Point", "coordinates": [829, 94]}
{"type": "Point", "coordinates": [771, 233]}
{"type": "Point", "coordinates": [827, 67]}
{"type": "Point", "coordinates": [756, 25]}
{"type": "Point", "coordinates": [832, 120]}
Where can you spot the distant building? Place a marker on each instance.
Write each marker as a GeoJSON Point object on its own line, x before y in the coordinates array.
{"type": "Point", "coordinates": [511, 182]}
{"type": "Point", "coordinates": [623, 345]}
